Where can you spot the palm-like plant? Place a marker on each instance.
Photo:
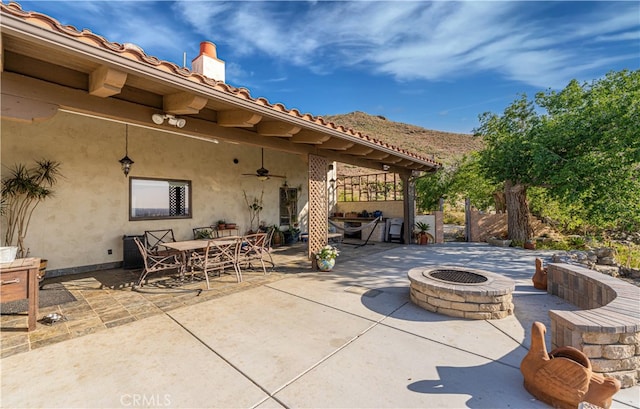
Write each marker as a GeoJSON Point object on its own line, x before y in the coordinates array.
{"type": "Point", "coordinates": [22, 192]}
{"type": "Point", "coordinates": [422, 226]}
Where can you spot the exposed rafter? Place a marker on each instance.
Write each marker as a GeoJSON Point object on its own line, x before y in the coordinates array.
{"type": "Point", "coordinates": [277, 128]}
{"type": "Point", "coordinates": [105, 82]}
{"type": "Point", "coordinates": [309, 137]}
{"type": "Point", "coordinates": [183, 103]}
{"type": "Point", "coordinates": [359, 150]}
{"type": "Point", "coordinates": [238, 118]}
{"type": "Point", "coordinates": [336, 144]}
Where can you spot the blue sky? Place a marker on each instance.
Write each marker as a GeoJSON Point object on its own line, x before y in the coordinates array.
{"type": "Point", "coordinates": [433, 64]}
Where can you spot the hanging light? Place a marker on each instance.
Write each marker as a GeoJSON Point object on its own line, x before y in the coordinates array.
{"type": "Point", "coordinates": [126, 162]}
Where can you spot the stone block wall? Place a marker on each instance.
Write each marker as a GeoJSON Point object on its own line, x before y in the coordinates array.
{"type": "Point", "coordinates": [608, 331]}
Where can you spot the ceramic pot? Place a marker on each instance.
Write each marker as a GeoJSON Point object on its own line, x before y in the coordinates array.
{"type": "Point", "coordinates": [326, 264]}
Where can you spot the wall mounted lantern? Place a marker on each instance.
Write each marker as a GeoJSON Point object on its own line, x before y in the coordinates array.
{"type": "Point", "coordinates": [126, 162]}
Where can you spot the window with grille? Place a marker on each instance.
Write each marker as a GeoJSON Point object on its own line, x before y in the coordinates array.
{"type": "Point", "coordinates": [151, 199]}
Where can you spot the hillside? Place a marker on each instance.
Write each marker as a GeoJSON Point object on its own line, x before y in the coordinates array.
{"type": "Point", "coordinates": [442, 146]}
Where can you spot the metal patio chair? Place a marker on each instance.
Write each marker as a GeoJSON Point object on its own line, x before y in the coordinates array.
{"type": "Point", "coordinates": [219, 255]}
{"type": "Point", "coordinates": [154, 263]}
{"type": "Point", "coordinates": [154, 240]}
{"type": "Point", "coordinates": [256, 247]}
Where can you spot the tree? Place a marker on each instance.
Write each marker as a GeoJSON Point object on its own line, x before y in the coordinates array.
{"type": "Point", "coordinates": [459, 180]}
{"type": "Point", "coordinates": [508, 157]}
{"type": "Point", "coordinates": [22, 191]}
{"type": "Point", "coordinates": [584, 151]}
{"type": "Point", "coordinates": [589, 148]}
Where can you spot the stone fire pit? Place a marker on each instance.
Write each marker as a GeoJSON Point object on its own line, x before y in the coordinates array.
{"type": "Point", "coordinates": [462, 292]}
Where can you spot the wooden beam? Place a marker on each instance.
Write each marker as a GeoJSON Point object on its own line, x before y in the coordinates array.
{"type": "Point", "coordinates": [404, 163]}
{"type": "Point", "coordinates": [183, 103]}
{"type": "Point", "coordinates": [391, 160]}
{"type": "Point", "coordinates": [238, 118]}
{"type": "Point", "coordinates": [337, 144]}
{"type": "Point", "coordinates": [277, 128]}
{"type": "Point", "coordinates": [310, 137]}
{"type": "Point", "coordinates": [79, 101]}
{"type": "Point", "coordinates": [105, 82]}
{"type": "Point", "coordinates": [377, 155]}
{"type": "Point", "coordinates": [359, 150]}
{"type": "Point", "coordinates": [20, 109]}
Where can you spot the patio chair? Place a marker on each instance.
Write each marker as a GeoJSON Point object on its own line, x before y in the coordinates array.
{"type": "Point", "coordinates": [155, 238]}
{"type": "Point", "coordinates": [154, 263]}
{"type": "Point", "coordinates": [395, 229]}
{"type": "Point", "coordinates": [203, 233]}
{"type": "Point", "coordinates": [255, 247]}
{"type": "Point", "coordinates": [218, 256]}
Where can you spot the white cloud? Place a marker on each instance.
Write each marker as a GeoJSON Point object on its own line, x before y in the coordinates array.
{"type": "Point", "coordinates": [535, 43]}
{"type": "Point", "coordinates": [419, 40]}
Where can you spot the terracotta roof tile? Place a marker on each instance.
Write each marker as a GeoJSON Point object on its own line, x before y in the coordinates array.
{"type": "Point", "coordinates": [136, 53]}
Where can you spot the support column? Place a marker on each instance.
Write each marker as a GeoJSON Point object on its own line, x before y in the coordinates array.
{"type": "Point", "coordinates": [409, 194]}
{"type": "Point", "coordinates": [318, 205]}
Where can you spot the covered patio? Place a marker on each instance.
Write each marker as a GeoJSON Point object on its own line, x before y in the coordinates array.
{"type": "Point", "coordinates": [78, 99]}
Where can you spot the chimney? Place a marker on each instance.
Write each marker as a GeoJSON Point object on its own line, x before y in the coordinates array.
{"type": "Point", "coordinates": [207, 63]}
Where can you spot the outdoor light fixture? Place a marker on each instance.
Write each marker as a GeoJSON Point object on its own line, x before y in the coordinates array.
{"type": "Point", "coordinates": [385, 167]}
{"type": "Point", "coordinates": [126, 162]}
{"type": "Point", "coordinates": [171, 119]}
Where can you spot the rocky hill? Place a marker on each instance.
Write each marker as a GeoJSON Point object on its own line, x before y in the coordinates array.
{"type": "Point", "coordinates": [444, 147]}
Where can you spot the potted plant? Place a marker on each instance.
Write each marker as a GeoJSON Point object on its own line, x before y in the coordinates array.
{"type": "Point", "coordinates": [326, 257]}
{"type": "Point", "coordinates": [222, 224]}
{"type": "Point", "coordinates": [277, 239]}
{"type": "Point", "coordinates": [22, 191]}
{"type": "Point", "coordinates": [423, 236]}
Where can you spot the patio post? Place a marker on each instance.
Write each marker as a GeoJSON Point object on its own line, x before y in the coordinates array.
{"type": "Point", "coordinates": [409, 195]}
{"type": "Point", "coordinates": [318, 205]}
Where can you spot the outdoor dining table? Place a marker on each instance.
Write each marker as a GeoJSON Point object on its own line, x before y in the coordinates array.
{"type": "Point", "coordinates": [187, 247]}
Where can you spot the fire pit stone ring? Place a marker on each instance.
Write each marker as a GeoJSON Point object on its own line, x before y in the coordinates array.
{"type": "Point", "coordinates": [462, 292]}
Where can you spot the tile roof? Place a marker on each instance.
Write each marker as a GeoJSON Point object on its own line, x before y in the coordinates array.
{"type": "Point", "coordinates": [135, 53]}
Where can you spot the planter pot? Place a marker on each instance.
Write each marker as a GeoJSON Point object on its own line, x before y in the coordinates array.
{"type": "Point", "coordinates": [326, 264]}
{"type": "Point", "coordinates": [424, 238]}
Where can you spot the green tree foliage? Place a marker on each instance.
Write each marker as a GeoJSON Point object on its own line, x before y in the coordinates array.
{"type": "Point", "coordinates": [579, 159]}
{"type": "Point", "coordinates": [457, 181]}
{"type": "Point", "coordinates": [588, 148]}
{"type": "Point", "coordinates": [470, 182]}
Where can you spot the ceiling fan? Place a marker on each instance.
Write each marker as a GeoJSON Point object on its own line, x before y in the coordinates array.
{"type": "Point", "coordinates": [262, 173]}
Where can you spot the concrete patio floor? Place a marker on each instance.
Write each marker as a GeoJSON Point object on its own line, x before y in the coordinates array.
{"type": "Point", "coordinates": [349, 338]}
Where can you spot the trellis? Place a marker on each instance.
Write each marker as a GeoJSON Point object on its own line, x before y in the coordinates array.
{"type": "Point", "coordinates": [369, 188]}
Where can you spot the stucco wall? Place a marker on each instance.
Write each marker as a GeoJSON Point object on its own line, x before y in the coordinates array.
{"type": "Point", "coordinates": [89, 213]}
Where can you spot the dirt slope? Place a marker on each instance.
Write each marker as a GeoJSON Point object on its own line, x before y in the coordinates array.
{"type": "Point", "coordinates": [442, 146]}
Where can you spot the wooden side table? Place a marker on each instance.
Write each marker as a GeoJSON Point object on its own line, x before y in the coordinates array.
{"type": "Point", "coordinates": [19, 281]}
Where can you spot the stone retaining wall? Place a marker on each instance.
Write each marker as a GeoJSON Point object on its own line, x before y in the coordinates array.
{"type": "Point", "coordinates": [608, 330]}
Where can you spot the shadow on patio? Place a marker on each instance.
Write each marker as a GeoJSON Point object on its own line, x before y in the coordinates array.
{"type": "Point", "coordinates": [94, 301]}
